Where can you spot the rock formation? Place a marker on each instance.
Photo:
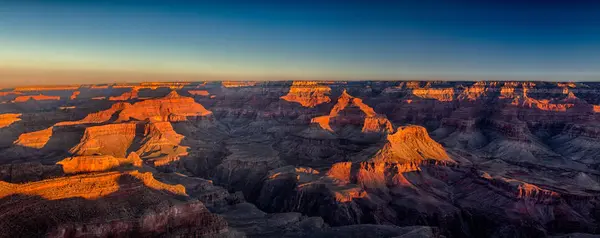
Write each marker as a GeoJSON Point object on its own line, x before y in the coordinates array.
{"type": "Point", "coordinates": [46, 88]}
{"type": "Point", "coordinates": [97, 163]}
{"type": "Point", "coordinates": [173, 107]}
{"type": "Point", "coordinates": [473, 92]}
{"type": "Point", "coordinates": [112, 140]}
{"type": "Point", "coordinates": [161, 144]}
{"type": "Point", "coordinates": [468, 159]}
{"type": "Point", "coordinates": [440, 94]}
{"type": "Point", "coordinates": [372, 122]}
{"type": "Point", "coordinates": [308, 93]}
{"type": "Point", "coordinates": [36, 139]}
{"type": "Point", "coordinates": [7, 119]}
{"type": "Point", "coordinates": [74, 95]}
{"type": "Point", "coordinates": [199, 92]}
{"type": "Point", "coordinates": [39, 97]}
{"type": "Point", "coordinates": [125, 96]}
{"type": "Point", "coordinates": [97, 117]}
{"type": "Point", "coordinates": [411, 144]}
{"type": "Point", "coordinates": [86, 205]}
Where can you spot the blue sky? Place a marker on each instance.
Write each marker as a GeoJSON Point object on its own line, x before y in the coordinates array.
{"type": "Point", "coordinates": [308, 39]}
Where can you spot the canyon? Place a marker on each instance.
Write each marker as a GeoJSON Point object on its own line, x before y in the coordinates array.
{"type": "Point", "coordinates": [301, 159]}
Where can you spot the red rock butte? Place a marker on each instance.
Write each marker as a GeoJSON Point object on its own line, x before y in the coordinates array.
{"type": "Point", "coordinates": [36, 139]}
{"type": "Point", "coordinates": [74, 95]}
{"type": "Point", "coordinates": [373, 122]}
{"type": "Point", "coordinates": [173, 107]}
{"type": "Point", "coordinates": [411, 144]}
{"type": "Point", "coordinates": [7, 119]}
{"type": "Point", "coordinates": [308, 93]}
{"type": "Point", "coordinates": [97, 163]}
{"type": "Point", "coordinates": [111, 139]}
{"type": "Point", "coordinates": [160, 144]}
{"type": "Point", "coordinates": [133, 94]}
{"type": "Point", "coordinates": [98, 117]}
{"type": "Point", "coordinates": [199, 92]}
{"type": "Point", "coordinates": [39, 97]}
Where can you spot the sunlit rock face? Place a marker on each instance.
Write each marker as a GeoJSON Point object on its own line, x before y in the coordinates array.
{"type": "Point", "coordinates": [112, 139]}
{"type": "Point", "coordinates": [440, 94]}
{"type": "Point", "coordinates": [372, 122]}
{"type": "Point", "coordinates": [411, 144]}
{"type": "Point", "coordinates": [469, 159]}
{"type": "Point", "coordinates": [88, 205]}
{"type": "Point", "coordinates": [199, 92]}
{"type": "Point", "coordinates": [97, 163]}
{"type": "Point", "coordinates": [308, 93]}
{"type": "Point", "coordinates": [98, 117]}
{"type": "Point", "coordinates": [36, 139]}
{"type": "Point", "coordinates": [475, 91]}
{"type": "Point", "coordinates": [160, 144]}
{"type": "Point", "coordinates": [39, 97]}
{"type": "Point", "coordinates": [173, 107]}
{"type": "Point", "coordinates": [7, 119]}
{"type": "Point", "coordinates": [133, 94]}
{"type": "Point", "coordinates": [74, 95]}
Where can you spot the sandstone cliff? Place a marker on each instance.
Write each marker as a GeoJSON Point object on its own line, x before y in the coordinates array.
{"type": "Point", "coordinates": [199, 92]}
{"type": "Point", "coordinates": [97, 163]}
{"type": "Point", "coordinates": [371, 121]}
{"type": "Point", "coordinates": [74, 95]}
{"type": "Point", "coordinates": [39, 97]}
{"type": "Point", "coordinates": [7, 119]}
{"type": "Point", "coordinates": [161, 144]}
{"type": "Point", "coordinates": [125, 96]}
{"type": "Point", "coordinates": [98, 117]}
{"type": "Point", "coordinates": [173, 107]}
{"type": "Point", "coordinates": [36, 139]}
{"type": "Point", "coordinates": [112, 139]}
{"type": "Point", "coordinates": [308, 93]}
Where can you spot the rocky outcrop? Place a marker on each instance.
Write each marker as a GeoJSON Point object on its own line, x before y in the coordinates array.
{"type": "Point", "coordinates": [160, 144]}
{"type": "Point", "coordinates": [514, 159]}
{"type": "Point", "coordinates": [4, 94]}
{"type": "Point", "coordinates": [473, 92]}
{"type": "Point", "coordinates": [440, 94]}
{"type": "Point", "coordinates": [308, 93]}
{"type": "Point", "coordinates": [97, 163]}
{"type": "Point", "coordinates": [85, 186]}
{"type": "Point", "coordinates": [173, 107]}
{"type": "Point", "coordinates": [371, 121]}
{"type": "Point", "coordinates": [7, 119]}
{"type": "Point", "coordinates": [133, 94]}
{"type": "Point", "coordinates": [188, 219]}
{"type": "Point", "coordinates": [111, 204]}
{"type": "Point", "coordinates": [411, 144]}
{"type": "Point", "coordinates": [199, 92]}
{"type": "Point", "coordinates": [238, 84]}
{"type": "Point", "coordinates": [97, 117]}
{"type": "Point", "coordinates": [47, 88]}
{"type": "Point", "coordinates": [112, 139]}
{"type": "Point", "coordinates": [39, 97]}
{"type": "Point", "coordinates": [74, 95]}
{"type": "Point", "coordinates": [36, 139]}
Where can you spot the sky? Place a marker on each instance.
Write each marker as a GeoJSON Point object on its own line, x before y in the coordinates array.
{"type": "Point", "coordinates": [46, 41]}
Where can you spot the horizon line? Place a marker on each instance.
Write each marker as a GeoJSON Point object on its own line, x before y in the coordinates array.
{"type": "Point", "coordinates": [47, 77]}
